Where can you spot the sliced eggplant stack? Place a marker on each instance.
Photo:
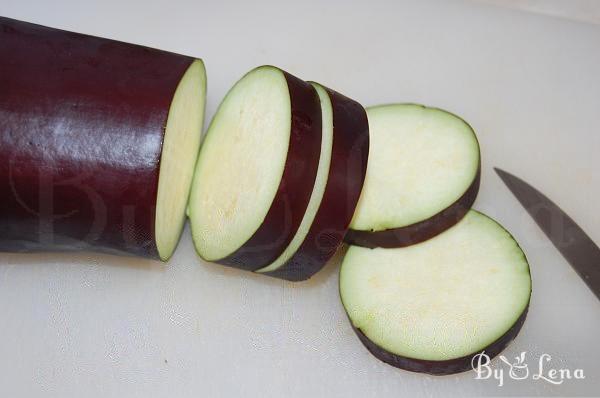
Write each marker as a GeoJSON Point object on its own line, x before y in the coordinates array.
{"type": "Point", "coordinates": [430, 307]}
{"type": "Point", "coordinates": [256, 170]}
{"type": "Point", "coordinates": [339, 181]}
{"type": "Point", "coordinates": [98, 141]}
{"type": "Point", "coordinates": [422, 178]}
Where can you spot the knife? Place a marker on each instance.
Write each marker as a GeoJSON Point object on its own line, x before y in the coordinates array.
{"type": "Point", "coordinates": [570, 240]}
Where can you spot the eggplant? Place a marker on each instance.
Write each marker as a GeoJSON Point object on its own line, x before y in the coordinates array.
{"type": "Point", "coordinates": [339, 181]}
{"type": "Point", "coordinates": [423, 176]}
{"type": "Point", "coordinates": [432, 306]}
{"type": "Point", "coordinates": [256, 170]}
{"type": "Point", "coordinates": [98, 141]}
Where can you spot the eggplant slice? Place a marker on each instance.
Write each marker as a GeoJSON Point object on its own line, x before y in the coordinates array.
{"type": "Point", "coordinates": [422, 177]}
{"type": "Point", "coordinates": [98, 141]}
{"type": "Point", "coordinates": [430, 307]}
{"type": "Point", "coordinates": [339, 181]}
{"type": "Point", "coordinates": [256, 170]}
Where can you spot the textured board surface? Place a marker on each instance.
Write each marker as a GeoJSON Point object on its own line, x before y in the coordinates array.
{"type": "Point", "coordinates": [99, 326]}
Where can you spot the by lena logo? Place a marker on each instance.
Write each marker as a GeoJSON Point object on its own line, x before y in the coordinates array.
{"type": "Point", "coordinates": [519, 369]}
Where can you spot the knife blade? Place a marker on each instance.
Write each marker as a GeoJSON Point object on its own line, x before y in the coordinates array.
{"type": "Point", "coordinates": [570, 240]}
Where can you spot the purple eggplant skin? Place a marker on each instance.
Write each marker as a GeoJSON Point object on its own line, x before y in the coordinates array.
{"type": "Point", "coordinates": [345, 180]}
{"type": "Point", "coordinates": [440, 368]}
{"type": "Point", "coordinates": [293, 194]}
{"type": "Point", "coordinates": [82, 121]}
{"type": "Point", "coordinates": [420, 231]}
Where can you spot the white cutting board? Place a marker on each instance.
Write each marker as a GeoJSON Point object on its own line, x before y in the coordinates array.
{"type": "Point", "coordinates": [90, 325]}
